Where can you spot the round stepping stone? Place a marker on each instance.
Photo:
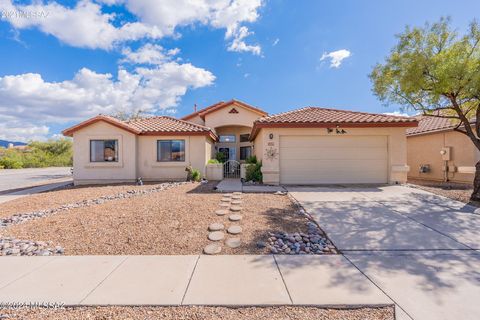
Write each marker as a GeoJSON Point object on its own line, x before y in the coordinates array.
{"type": "Point", "coordinates": [236, 202]}
{"type": "Point", "coordinates": [235, 217]}
{"type": "Point", "coordinates": [225, 205]}
{"type": "Point", "coordinates": [225, 200]}
{"type": "Point", "coordinates": [221, 212]}
{"type": "Point", "coordinates": [216, 235]}
{"type": "Point", "coordinates": [234, 230]}
{"type": "Point", "coordinates": [236, 198]}
{"type": "Point", "coordinates": [227, 195]}
{"type": "Point", "coordinates": [216, 227]}
{"type": "Point", "coordinates": [213, 248]}
{"type": "Point", "coordinates": [237, 193]}
{"type": "Point", "coordinates": [236, 208]}
{"type": "Point", "coordinates": [233, 242]}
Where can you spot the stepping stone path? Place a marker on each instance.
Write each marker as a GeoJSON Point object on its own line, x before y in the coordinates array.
{"type": "Point", "coordinates": [234, 230]}
{"type": "Point", "coordinates": [216, 227]}
{"type": "Point", "coordinates": [236, 198]}
{"type": "Point", "coordinates": [213, 248]}
{"type": "Point", "coordinates": [237, 193]}
{"type": "Point", "coordinates": [227, 195]}
{"type": "Point", "coordinates": [235, 217]}
{"type": "Point", "coordinates": [225, 200]}
{"type": "Point", "coordinates": [236, 208]}
{"type": "Point", "coordinates": [233, 242]}
{"type": "Point", "coordinates": [216, 235]}
{"type": "Point", "coordinates": [221, 212]}
{"type": "Point", "coordinates": [236, 202]}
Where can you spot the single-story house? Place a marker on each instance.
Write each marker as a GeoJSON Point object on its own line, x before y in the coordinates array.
{"type": "Point", "coordinates": [305, 146]}
{"type": "Point", "coordinates": [436, 152]}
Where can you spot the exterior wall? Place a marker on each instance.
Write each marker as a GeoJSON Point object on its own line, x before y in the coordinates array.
{"type": "Point", "coordinates": [425, 149]}
{"type": "Point", "coordinates": [397, 148]}
{"type": "Point", "coordinates": [86, 172]}
{"type": "Point", "coordinates": [196, 149]}
{"type": "Point", "coordinates": [237, 131]}
{"type": "Point", "coordinates": [197, 120]}
{"type": "Point", "coordinates": [222, 117]}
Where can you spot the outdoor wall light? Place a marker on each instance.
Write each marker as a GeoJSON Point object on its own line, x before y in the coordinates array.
{"type": "Point", "coordinates": [270, 136]}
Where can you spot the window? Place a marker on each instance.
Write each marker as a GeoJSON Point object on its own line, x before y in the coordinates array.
{"type": "Point", "coordinates": [244, 137]}
{"type": "Point", "coordinates": [103, 150]}
{"type": "Point", "coordinates": [245, 152]}
{"type": "Point", "coordinates": [171, 150]}
{"type": "Point", "coordinates": [227, 138]}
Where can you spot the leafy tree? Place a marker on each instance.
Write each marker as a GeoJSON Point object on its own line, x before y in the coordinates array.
{"type": "Point", "coordinates": [127, 116]}
{"type": "Point", "coordinates": [436, 71]}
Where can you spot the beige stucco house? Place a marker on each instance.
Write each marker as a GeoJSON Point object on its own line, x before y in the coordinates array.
{"type": "Point", "coordinates": [436, 152]}
{"type": "Point", "coordinates": [304, 146]}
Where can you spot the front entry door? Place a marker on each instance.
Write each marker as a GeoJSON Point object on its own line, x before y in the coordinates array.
{"type": "Point", "coordinates": [230, 153]}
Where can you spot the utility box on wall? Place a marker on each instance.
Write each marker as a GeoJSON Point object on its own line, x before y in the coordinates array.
{"type": "Point", "coordinates": [446, 153]}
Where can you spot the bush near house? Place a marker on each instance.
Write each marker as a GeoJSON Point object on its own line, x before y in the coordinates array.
{"type": "Point", "coordinates": [196, 175]}
{"type": "Point", "coordinates": [213, 161]}
{"type": "Point", "coordinates": [254, 169]}
{"type": "Point", "coordinates": [220, 156]}
{"type": "Point", "coordinates": [53, 153]}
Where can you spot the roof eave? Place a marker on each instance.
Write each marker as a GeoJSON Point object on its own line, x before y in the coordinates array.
{"type": "Point", "coordinates": [69, 131]}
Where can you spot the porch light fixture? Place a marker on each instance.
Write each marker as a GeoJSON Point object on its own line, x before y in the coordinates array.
{"type": "Point", "coordinates": [270, 136]}
{"type": "Point", "coordinates": [329, 130]}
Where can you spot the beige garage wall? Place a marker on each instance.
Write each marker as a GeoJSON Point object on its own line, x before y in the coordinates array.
{"type": "Point", "coordinates": [86, 172]}
{"type": "Point", "coordinates": [425, 149]}
{"type": "Point", "coordinates": [197, 149]}
{"type": "Point", "coordinates": [397, 148]}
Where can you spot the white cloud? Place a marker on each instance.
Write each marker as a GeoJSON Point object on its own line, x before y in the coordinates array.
{"type": "Point", "coordinates": [397, 113]}
{"type": "Point", "coordinates": [336, 57]}
{"type": "Point", "coordinates": [28, 103]}
{"type": "Point", "coordinates": [275, 42]}
{"type": "Point", "coordinates": [85, 25]}
{"type": "Point", "coordinates": [149, 54]}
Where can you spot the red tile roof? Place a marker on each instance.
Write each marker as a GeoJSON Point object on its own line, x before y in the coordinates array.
{"type": "Point", "coordinates": [431, 124]}
{"type": "Point", "coordinates": [311, 117]}
{"type": "Point", "coordinates": [219, 105]}
{"type": "Point", "coordinates": [160, 125]}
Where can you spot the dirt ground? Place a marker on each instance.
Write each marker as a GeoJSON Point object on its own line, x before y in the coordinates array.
{"type": "Point", "coordinates": [456, 191]}
{"type": "Point", "coordinates": [61, 196]}
{"type": "Point", "coordinates": [173, 221]}
{"type": "Point", "coordinates": [201, 313]}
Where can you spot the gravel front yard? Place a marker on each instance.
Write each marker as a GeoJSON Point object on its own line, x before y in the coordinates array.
{"type": "Point", "coordinates": [173, 221]}
{"type": "Point", "coordinates": [201, 313]}
{"type": "Point", "coordinates": [456, 191]}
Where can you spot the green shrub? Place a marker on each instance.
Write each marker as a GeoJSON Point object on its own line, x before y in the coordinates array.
{"type": "Point", "coordinates": [213, 161]}
{"type": "Point", "coordinates": [254, 172]}
{"type": "Point", "coordinates": [196, 175]}
{"type": "Point", "coordinates": [220, 156]}
{"type": "Point", "coordinates": [251, 160]}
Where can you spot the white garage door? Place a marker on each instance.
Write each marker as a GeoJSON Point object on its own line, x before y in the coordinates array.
{"type": "Point", "coordinates": [337, 159]}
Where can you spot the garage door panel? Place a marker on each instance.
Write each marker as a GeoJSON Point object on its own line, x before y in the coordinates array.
{"type": "Point", "coordinates": [333, 141]}
{"type": "Point", "coordinates": [333, 159]}
{"type": "Point", "coordinates": [333, 153]}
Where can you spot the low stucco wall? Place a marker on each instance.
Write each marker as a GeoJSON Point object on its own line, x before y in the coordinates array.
{"type": "Point", "coordinates": [425, 149]}
{"type": "Point", "coordinates": [396, 140]}
{"type": "Point", "coordinates": [86, 172]}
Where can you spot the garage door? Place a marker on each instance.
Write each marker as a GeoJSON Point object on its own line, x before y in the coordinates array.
{"type": "Point", "coordinates": [338, 159]}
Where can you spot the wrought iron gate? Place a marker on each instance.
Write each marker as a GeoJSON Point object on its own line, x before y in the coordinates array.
{"type": "Point", "coordinates": [231, 169]}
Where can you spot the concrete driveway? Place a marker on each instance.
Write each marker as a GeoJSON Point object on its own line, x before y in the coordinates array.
{"type": "Point", "coordinates": [11, 179]}
{"type": "Point", "coordinates": [420, 249]}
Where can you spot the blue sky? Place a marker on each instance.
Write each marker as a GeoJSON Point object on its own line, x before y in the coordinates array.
{"type": "Point", "coordinates": [55, 66]}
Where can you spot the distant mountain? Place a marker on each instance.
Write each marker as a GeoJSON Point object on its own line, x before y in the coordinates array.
{"type": "Point", "coordinates": [5, 143]}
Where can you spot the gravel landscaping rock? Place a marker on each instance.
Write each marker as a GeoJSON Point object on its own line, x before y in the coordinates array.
{"type": "Point", "coordinates": [235, 217]}
{"type": "Point", "coordinates": [456, 191]}
{"type": "Point", "coordinates": [216, 227]}
{"type": "Point", "coordinates": [216, 235]}
{"type": "Point", "coordinates": [199, 313]}
{"type": "Point", "coordinates": [15, 247]}
{"type": "Point", "coordinates": [233, 242]}
{"type": "Point", "coordinates": [213, 248]}
{"type": "Point", "coordinates": [225, 205]}
{"type": "Point", "coordinates": [221, 212]}
{"type": "Point", "coordinates": [234, 230]}
{"type": "Point", "coordinates": [22, 217]}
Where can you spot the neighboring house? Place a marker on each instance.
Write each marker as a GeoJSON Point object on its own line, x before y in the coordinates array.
{"type": "Point", "coordinates": [305, 146]}
{"type": "Point", "coordinates": [436, 152]}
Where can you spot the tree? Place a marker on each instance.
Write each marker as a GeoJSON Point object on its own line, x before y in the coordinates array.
{"type": "Point", "coordinates": [436, 72]}
{"type": "Point", "coordinates": [127, 116]}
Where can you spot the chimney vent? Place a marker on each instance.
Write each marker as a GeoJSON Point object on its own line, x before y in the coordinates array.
{"type": "Point", "coordinates": [195, 107]}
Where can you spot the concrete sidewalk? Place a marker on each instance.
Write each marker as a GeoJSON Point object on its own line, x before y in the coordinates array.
{"type": "Point", "coordinates": [329, 280]}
